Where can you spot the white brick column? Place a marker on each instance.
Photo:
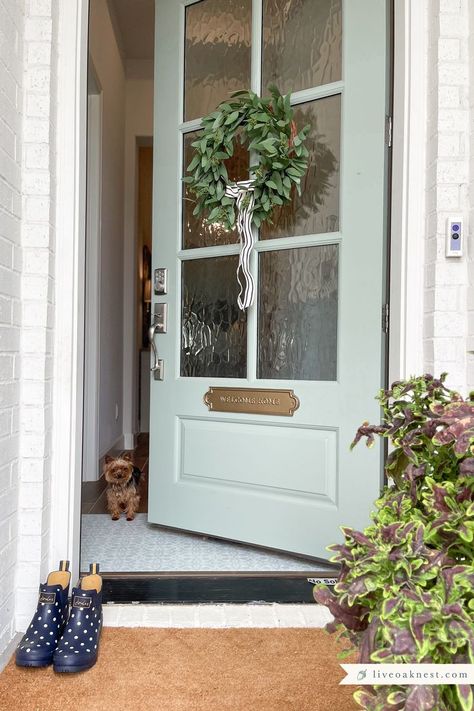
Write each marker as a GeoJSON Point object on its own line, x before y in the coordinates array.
{"type": "Point", "coordinates": [470, 250]}
{"type": "Point", "coordinates": [11, 103]}
{"type": "Point", "coordinates": [38, 233]}
{"type": "Point", "coordinates": [447, 182]}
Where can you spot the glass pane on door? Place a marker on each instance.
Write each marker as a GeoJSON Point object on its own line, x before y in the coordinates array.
{"type": "Point", "coordinates": [301, 43]}
{"type": "Point", "coordinates": [297, 313]}
{"type": "Point", "coordinates": [197, 232]}
{"type": "Point", "coordinates": [213, 329]}
{"type": "Point", "coordinates": [217, 53]}
{"type": "Point", "coordinates": [317, 209]}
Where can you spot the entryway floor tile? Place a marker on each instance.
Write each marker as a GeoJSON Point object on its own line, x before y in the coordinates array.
{"type": "Point", "coordinates": [128, 546]}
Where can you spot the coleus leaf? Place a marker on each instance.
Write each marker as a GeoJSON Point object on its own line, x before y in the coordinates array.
{"type": "Point", "coordinates": [367, 699]}
{"type": "Point", "coordinates": [357, 536]}
{"type": "Point", "coordinates": [367, 646]}
{"type": "Point", "coordinates": [440, 494]}
{"type": "Point", "coordinates": [389, 606]}
{"type": "Point", "coordinates": [395, 698]}
{"type": "Point", "coordinates": [465, 494]}
{"type": "Point", "coordinates": [417, 623]}
{"type": "Point", "coordinates": [403, 642]}
{"type": "Point", "coordinates": [389, 533]}
{"type": "Point", "coordinates": [354, 618]}
{"type": "Point", "coordinates": [422, 698]}
{"type": "Point", "coordinates": [456, 424]}
{"type": "Point", "coordinates": [466, 467]}
{"type": "Point", "coordinates": [381, 656]}
{"type": "Point", "coordinates": [368, 431]}
{"type": "Point", "coordinates": [465, 696]}
{"type": "Point", "coordinates": [466, 531]}
{"type": "Point", "coordinates": [356, 589]}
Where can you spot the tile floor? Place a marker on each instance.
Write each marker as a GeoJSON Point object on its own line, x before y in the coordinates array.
{"type": "Point", "coordinates": [125, 546]}
{"type": "Point", "coordinates": [137, 546]}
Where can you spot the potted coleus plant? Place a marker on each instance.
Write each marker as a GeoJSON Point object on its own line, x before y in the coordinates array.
{"type": "Point", "coordinates": [405, 593]}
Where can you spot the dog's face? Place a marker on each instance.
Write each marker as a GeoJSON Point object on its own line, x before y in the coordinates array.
{"type": "Point", "coordinates": [118, 470]}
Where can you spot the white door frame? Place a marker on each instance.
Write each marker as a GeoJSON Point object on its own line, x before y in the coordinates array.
{"type": "Point", "coordinates": [91, 454]}
{"type": "Point", "coordinates": [69, 283]}
{"type": "Point", "coordinates": [408, 189]}
{"type": "Point", "coordinates": [406, 289]}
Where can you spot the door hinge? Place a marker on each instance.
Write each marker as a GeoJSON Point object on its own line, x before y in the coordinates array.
{"type": "Point", "coordinates": [388, 131]}
{"type": "Point", "coordinates": [385, 318]}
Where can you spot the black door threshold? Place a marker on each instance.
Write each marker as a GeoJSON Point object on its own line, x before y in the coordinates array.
{"type": "Point", "coordinates": [213, 587]}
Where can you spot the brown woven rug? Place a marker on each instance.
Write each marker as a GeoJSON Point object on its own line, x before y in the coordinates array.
{"type": "Point", "coordinates": [191, 670]}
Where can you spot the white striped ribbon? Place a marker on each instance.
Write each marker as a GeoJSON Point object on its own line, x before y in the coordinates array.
{"type": "Point", "coordinates": [243, 192]}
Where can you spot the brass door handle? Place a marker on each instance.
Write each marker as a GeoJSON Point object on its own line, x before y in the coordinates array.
{"type": "Point", "coordinates": [157, 365]}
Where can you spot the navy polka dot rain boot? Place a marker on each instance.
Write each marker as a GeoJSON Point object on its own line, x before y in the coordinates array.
{"type": "Point", "coordinates": [37, 645]}
{"type": "Point", "coordinates": [79, 645]}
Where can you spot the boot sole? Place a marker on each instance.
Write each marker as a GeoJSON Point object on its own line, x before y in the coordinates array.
{"type": "Point", "coordinates": [35, 663]}
{"type": "Point", "coordinates": [70, 669]}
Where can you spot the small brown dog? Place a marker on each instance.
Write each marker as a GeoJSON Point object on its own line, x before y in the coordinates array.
{"type": "Point", "coordinates": [122, 479]}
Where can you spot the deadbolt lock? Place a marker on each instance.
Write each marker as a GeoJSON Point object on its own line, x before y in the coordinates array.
{"type": "Point", "coordinates": [160, 280]}
{"type": "Point", "coordinates": [161, 318]}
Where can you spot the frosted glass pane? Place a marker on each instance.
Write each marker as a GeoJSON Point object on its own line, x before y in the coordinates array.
{"type": "Point", "coordinates": [297, 320]}
{"type": "Point", "coordinates": [214, 330]}
{"type": "Point", "coordinates": [217, 53]}
{"type": "Point", "coordinates": [317, 210]}
{"type": "Point", "coordinates": [301, 43]}
{"type": "Point", "coordinates": [196, 231]}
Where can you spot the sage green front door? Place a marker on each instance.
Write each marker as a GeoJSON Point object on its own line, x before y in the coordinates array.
{"type": "Point", "coordinates": [280, 481]}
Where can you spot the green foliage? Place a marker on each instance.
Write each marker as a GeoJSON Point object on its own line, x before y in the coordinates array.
{"type": "Point", "coordinates": [278, 149]}
{"type": "Point", "coordinates": [406, 588]}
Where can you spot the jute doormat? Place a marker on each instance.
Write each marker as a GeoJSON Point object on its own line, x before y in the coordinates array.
{"type": "Point", "coordinates": [191, 670]}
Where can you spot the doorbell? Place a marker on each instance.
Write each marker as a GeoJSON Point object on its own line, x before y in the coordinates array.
{"type": "Point", "coordinates": [454, 236]}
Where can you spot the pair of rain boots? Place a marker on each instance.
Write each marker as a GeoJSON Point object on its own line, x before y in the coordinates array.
{"type": "Point", "coordinates": [64, 635]}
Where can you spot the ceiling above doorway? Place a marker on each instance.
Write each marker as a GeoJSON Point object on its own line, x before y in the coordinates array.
{"type": "Point", "coordinates": [133, 22]}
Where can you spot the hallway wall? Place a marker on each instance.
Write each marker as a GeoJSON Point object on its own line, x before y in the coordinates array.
{"type": "Point", "coordinates": [111, 76]}
{"type": "Point", "coordinates": [138, 126]}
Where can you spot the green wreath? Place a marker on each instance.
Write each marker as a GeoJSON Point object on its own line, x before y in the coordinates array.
{"type": "Point", "coordinates": [281, 161]}
{"type": "Point", "coordinates": [276, 147]}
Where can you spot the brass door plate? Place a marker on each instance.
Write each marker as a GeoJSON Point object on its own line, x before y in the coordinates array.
{"type": "Point", "coordinates": [253, 401]}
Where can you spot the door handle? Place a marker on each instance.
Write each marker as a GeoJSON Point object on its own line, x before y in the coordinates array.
{"type": "Point", "coordinates": [157, 365]}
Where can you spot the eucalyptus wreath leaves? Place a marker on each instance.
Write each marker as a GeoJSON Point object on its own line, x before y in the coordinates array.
{"type": "Point", "coordinates": [276, 147]}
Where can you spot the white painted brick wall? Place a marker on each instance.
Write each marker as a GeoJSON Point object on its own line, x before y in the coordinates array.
{"type": "Point", "coordinates": [38, 239]}
{"type": "Point", "coordinates": [27, 166]}
{"type": "Point", "coordinates": [11, 110]}
{"type": "Point", "coordinates": [447, 184]}
{"type": "Point", "coordinates": [470, 251]}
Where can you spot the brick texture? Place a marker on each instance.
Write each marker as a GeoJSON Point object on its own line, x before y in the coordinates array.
{"type": "Point", "coordinates": [28, 66]}
{"type": "Point", "coordinates": [470, 252]}
{"type": "Point", "coordinates": [37, 312]}
{"type": "Point", "coordinates": [447, 184]}
{"type": "Point", "coordinates": [11, 118]}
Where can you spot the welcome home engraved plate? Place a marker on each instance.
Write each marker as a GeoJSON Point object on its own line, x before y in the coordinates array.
{"type": "Point", "coordinates": [252, 401]}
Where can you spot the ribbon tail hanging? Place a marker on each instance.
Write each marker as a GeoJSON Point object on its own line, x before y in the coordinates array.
{"type": "Point", "coordinates": [242, 192]}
